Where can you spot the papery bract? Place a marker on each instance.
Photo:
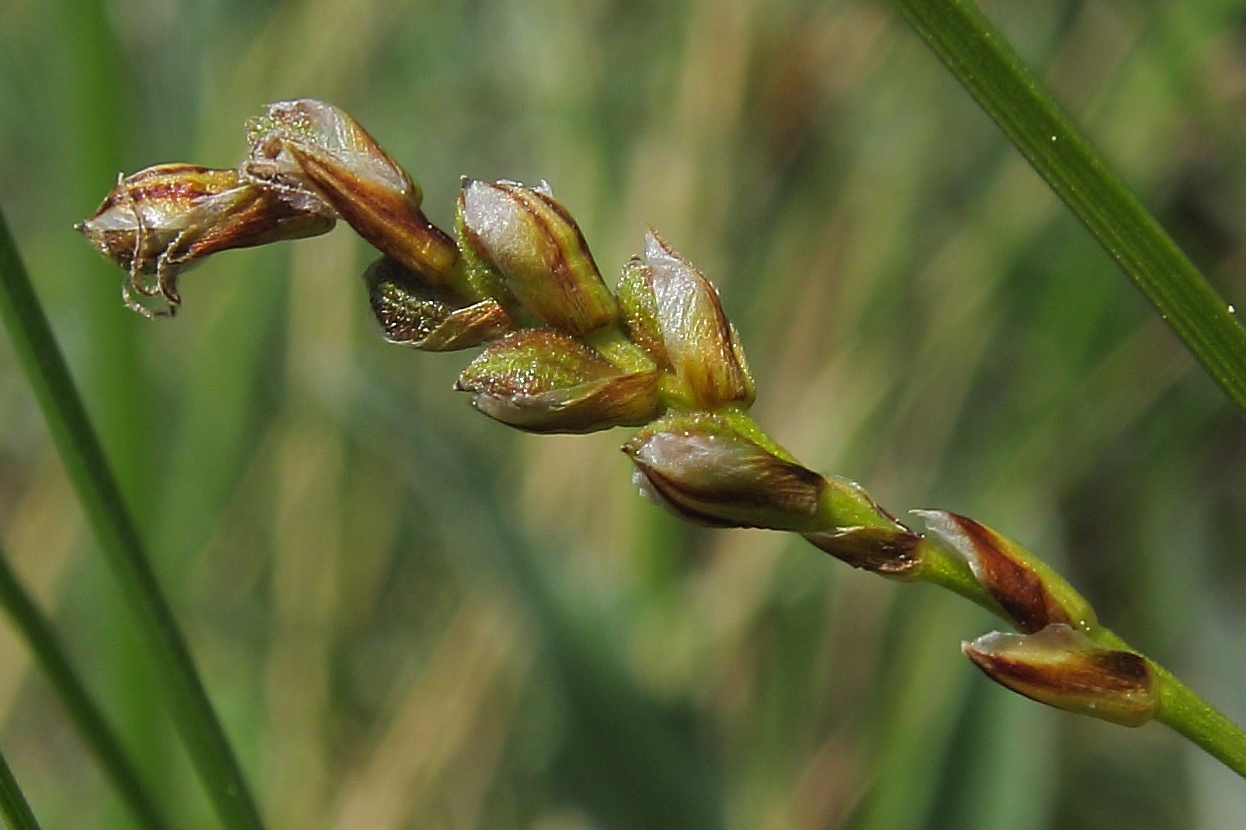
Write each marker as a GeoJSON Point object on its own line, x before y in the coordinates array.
{"type": "Point", "coordinates": [1028, 589]}
{"type": "Point", "coordinates": [700, 343]}
{"type": "Point", "coordinates": [533, 242]}
{"type": "Point", "coordinates": [308, 145]}
{"type": "Point", "coordinates": [1062, 667]}
{"type": "Point", "coordinates": [705, 471]}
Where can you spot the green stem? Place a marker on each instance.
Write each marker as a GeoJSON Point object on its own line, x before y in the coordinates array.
{"type": "Point", "coordinates": [1178, 706]}
{"type": "Point", "coordinates": [1207, 727]}
{"type": "Point", "coordinates": [986, 65]}
{"type": "Point", "coordinates": [87, 717]}
{"type": "Point", "coordinates": [17, 813]}
{"type": "Point", "coordinates": [101, 498]}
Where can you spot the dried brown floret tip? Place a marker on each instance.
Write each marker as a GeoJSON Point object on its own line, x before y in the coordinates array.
{"type": "Point", "coordinates": [164, 219]}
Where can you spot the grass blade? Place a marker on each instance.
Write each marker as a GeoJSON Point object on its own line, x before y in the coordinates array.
{"type": "Point", "coordinates": [17, 813]}
{"type": "Point", "coordinates": [986, 65]}
{"type": "Point", "coordinates": [84, 460]}
{"type": "Point", "coordinates": [87, 717]}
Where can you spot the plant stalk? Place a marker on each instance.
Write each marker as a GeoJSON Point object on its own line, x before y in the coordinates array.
{"type": "Point", "coordinates": [105, 508]}
{"type": "Point", "coordinates": [1193, 717]}
{"type": "Point", "coordinates": [13, 804]}
{"type": "Point", "coordinates": [86, 715]}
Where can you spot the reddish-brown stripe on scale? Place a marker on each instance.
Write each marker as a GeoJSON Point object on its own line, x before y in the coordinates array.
{"type": "Point", "coordinates": [390, 221]}
{"type": "Point", "coordinates": [1013, 584]}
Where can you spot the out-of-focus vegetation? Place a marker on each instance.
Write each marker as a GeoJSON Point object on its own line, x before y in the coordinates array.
{"type": "Point", "coordinates": [411, 617]}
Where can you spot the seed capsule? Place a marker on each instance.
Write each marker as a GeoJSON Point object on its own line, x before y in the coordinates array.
{"type": "Point", "coordinates": [1062, 667]}
{"type": "Point", "coordinates": [543, 380]}
{"type": "Point", "coordinates": [430, 318]}
{"type": "Point", "coordinates": [160, 221]}
{"type": "Point", "coordinates": [310, 146]}
{"type": "Point", "coordinates": [533, 242]}
{"type": "Point", "coordinates": [700, 343]}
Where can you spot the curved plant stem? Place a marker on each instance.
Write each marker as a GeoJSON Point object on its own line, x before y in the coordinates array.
{"type": "Point", "coordinates": [87, 717]}
{"type": "Point", "coordinates": [101, 498]}
{"type": "Point", "coordinates": [1190, 715]}
{"type": "Point", "coordinates": [17, 813]}
{"type": "Point", "coordinates": [986, 65]}
{"type": "Point", "coordinates": [982, 60]}
{"type": "Point", "coordinates": [1185, 712]}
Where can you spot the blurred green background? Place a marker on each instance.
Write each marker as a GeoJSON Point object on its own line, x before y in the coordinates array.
{"type": "Point", "coordinates": [411, 617]}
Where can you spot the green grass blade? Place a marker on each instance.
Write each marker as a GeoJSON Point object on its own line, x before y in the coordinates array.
{"type": "Point", "coordinates": [17, 813]}
{"type": "Point", "coordinates": [986, 65]}
{"type": "Point", "coordinates": [87, 717]}
{"type": "Point", "coordinates": [84, 460]}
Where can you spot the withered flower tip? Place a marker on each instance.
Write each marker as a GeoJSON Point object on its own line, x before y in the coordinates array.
{"type": "Point", "coordinates": [161, 220]}
{"type": "Point", "coordinates": [532, 241]}
{"type": "Point", "coordinates": [543, 380]}
{"type": "Point", "coordinates": [1062, 667]}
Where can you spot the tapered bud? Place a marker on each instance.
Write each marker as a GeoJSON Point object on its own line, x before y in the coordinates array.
{"type": "Point", "coordinates": [309, 145]}
{"type": "Point", "coordinates": [428, 317]}
{"type": "Point", "coordinates": [702, 469]}
{"type": "Point", "coordinates": [533, 242]}
{"type": "Point", "coordinates": [700, 343]}
{"type": "Point", "coordinates": [1062, 667]}
{"type": "Point", "coordinates": [159, 221]}
{"type": "Point", "coordinates": [543, 380]}
{"type": "Point", "coordinates": [1032, 594]}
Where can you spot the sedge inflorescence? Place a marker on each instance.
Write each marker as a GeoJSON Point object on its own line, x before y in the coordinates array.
{"type": "Point", "coordinates": [563, 352]}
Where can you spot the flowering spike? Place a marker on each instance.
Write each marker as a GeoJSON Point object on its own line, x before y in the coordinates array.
{"type": "Point", "coordinates": [701, 344]}
{"type": "Point", "coordinates": [532, 241]}
{"type": "Point", "coordinates": [426, 317]}
{"type": "Point", "coordinates": [543, 380]}
{"type": "Point", "coordinates": [1062, 667]}
{"type": "Point", "coordinates": [1033, 594]}
{"type": "Point", "coordinates": [161, 220]}
{"type": "Point", "coordinates": [310, 145]}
